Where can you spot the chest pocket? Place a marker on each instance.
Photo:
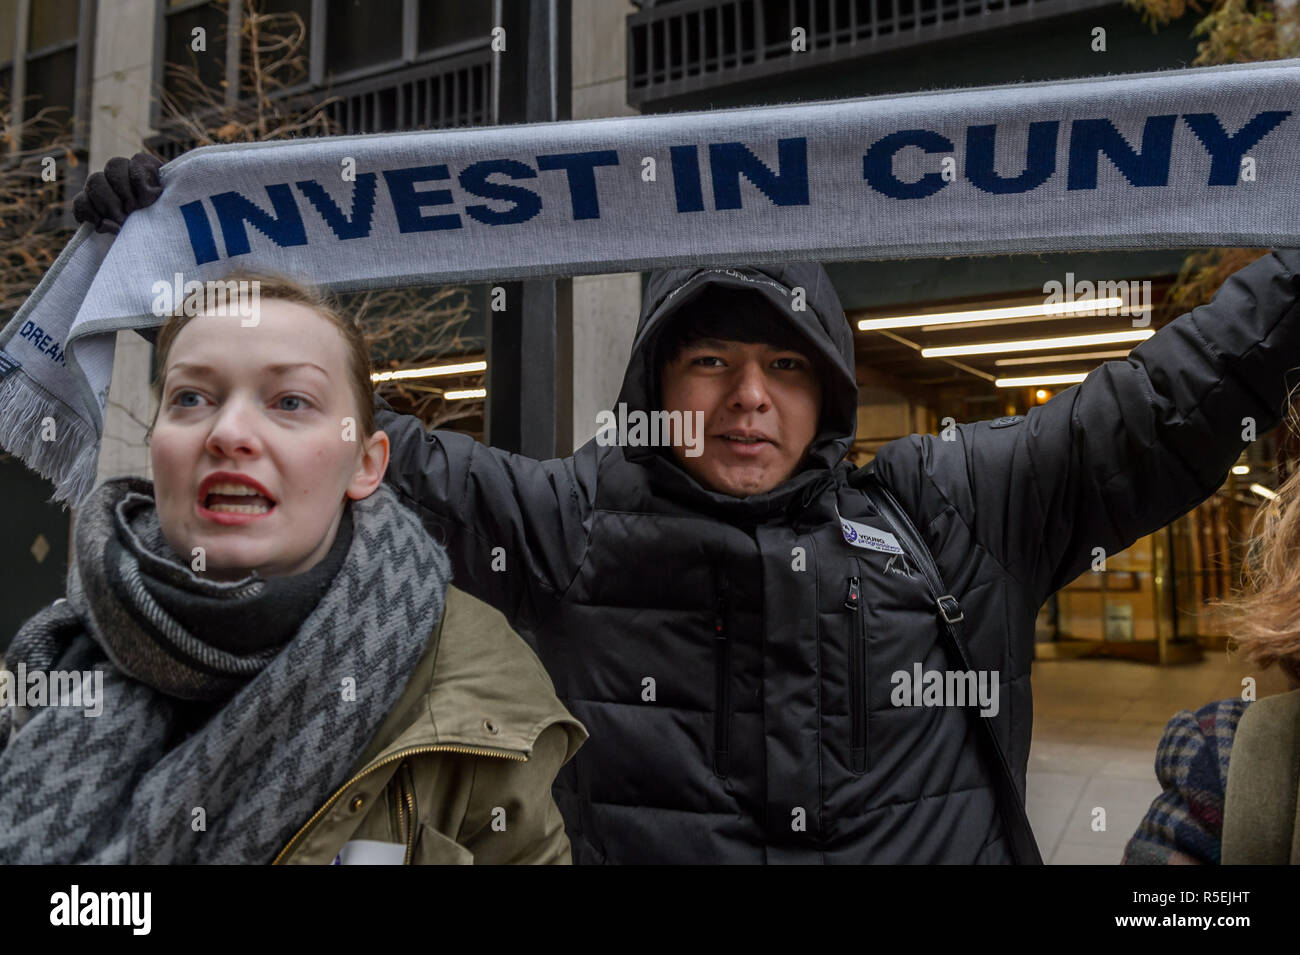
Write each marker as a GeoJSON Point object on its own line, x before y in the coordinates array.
{"type": "Point", "coordinates": [890, 625]}
{"type": "Point", "coordinates": [857, 675]}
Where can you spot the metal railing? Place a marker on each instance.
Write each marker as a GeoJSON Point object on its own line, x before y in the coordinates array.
{"type": "Point", "coordinates": [690, 45]}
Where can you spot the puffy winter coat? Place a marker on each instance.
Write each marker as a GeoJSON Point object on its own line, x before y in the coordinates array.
{"type": "Point", "coordinates": [739, 695]}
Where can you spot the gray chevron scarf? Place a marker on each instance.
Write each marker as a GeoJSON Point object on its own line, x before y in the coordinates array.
{"type": "Point", "coordinates": [230, 710]}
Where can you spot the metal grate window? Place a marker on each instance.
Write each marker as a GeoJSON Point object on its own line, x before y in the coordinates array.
{"type": "Point", "coordinates": [688, 45]}
{"type": "Point", "coordinates": [45, 50]}
{"type": "Point", "coordinates": [432, 68]}
{"type": "Point", "coordinates": [455, 96]}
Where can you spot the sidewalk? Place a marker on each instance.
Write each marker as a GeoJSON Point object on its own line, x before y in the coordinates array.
{"type": "Point", "coordinates": [1096, 726]}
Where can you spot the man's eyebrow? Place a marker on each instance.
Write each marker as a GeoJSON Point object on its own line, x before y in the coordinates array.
{"type": "Point", "coordinates": [710, 343]}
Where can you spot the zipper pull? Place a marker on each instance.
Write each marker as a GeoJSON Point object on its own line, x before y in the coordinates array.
{"type": "Point", "coordinates": [851, 600]}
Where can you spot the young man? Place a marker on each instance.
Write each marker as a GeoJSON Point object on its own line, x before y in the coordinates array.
{"type": "Point", "coordinates": [728, 625]}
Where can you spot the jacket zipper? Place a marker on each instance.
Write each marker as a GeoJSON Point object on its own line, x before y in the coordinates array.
{"type": "Point", "coordinates": [406, 808]}
{"type": "Point", "coordinates": [722, 687]}
{"type": "Point", "coordinates": [857, 679]}
{"type": "Point", "coordinates": [399, 755]}
{"type": "Point", "coordinates": [395, 809]}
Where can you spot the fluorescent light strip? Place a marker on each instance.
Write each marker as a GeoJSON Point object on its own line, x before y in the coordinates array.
{"type": "Point", "coordinates": [958, 326]}
{"type": "Point", "coordinates": [1264, 492]}
{"type": "Point", "coordinates": [467, 393]}
{"type": "Point", "coordinates": [1082, 356]}
{"type": "Point", "coordinates": [1007, 313]}
{"type": "Point", "coordinates": [1032, 380]}
{"type": "Point", "coordinates": [1240, 469]}
{"type": "Point", "coordinates": [1035, 344]}
{"type": "Point", "coordinates": [464, 368]}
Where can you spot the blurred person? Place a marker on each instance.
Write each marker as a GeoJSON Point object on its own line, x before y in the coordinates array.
{"type": "Point", "coordinates": [1228, 769]}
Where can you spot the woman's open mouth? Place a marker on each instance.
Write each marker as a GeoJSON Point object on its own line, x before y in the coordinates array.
{"type": "Point", "coordinates": [233, 499]}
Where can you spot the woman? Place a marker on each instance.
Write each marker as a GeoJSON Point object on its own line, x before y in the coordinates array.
{"type": "Point", "coordinates": [1214, 807]}
{"type": "Point", "coordinates": [287, 676]}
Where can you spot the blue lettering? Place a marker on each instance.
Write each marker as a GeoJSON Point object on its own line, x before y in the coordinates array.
{"type": "Point", "coordinates": [580, 168]}
{"type": "Point", "coordinates": [41, 341]}
{"type": "Point", "coordinates": [686, 178]}
{"type": "Point", "coordinates": [1089, 138]}
{"type": "Point", "coordinates": [407, 201]}
{"type": "Point", "coordinates": [474, 180]}
{"type": "Point", "coordinates": [363, 206]}
{"type": "Point", "coordinates": [1226, 151]}
{"type": "Point", "coordinates": [285, 228]}
{"type": "Point", "coordinates": [788, 187]}
{"type": "Point", "coordinates": [1040, 159]}
{"type": "Point", "coordinates": [878, 164]}
{"type": "Point", "coordinates": [200, 231]}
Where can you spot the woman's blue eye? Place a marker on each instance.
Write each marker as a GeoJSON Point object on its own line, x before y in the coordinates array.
{"type": "Point", "coordinates": [182, 395]}
{"type": "Point", "coordinates": [291, 398]}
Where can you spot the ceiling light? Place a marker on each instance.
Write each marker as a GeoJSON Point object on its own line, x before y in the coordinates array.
{"type": "Point", "coordinates": [1035, 344]}
{"type": "Point", "coordinates": [1081, 356]}
{"type": "Point", "coordinates": [466, 393]}
{"type": "Point", "coordinates": [463, 368]}
{"type": "Point", "coordinates": [1240, 469]}
{"type": "Point", "coordinates": [1262, 491]}
{"type": "Point", "coordinates": [1008, 313]}
{"type": "Point", "coordinates": [1040, 380]}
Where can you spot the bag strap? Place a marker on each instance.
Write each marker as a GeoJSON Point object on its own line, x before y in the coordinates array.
{"type": "Point", "coordinates": [1261, 808]}
{"type": "Point", "coordinates": [1024, 848]}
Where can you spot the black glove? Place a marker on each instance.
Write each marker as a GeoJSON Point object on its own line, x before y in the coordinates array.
{"type": "Point", "coordinates": [124, 186]}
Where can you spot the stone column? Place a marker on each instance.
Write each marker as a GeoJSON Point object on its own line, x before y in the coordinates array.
{"type": "Point", "coordinates": [121, 91]}
{"type": "Point", "coordinates": [605, 307]}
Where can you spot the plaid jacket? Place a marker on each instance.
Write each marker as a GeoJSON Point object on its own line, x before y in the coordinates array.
{"type": "Point", "coordinates": [1185, 822]}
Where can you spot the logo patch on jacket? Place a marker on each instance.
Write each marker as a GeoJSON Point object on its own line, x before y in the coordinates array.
{"type": "Point", "coordinates": [865, 536]}
{"type": "Point", "coordinates": [897, 564]}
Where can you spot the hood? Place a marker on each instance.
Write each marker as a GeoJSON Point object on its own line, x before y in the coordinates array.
{"type": "Point", "coordinates": [822, 323]}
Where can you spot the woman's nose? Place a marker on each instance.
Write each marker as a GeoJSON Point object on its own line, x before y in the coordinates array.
{"type": "Point", "coordinates": [234, 432]}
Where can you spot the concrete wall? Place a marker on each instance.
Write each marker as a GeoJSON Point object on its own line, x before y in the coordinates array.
{"type": "Point", "coordinates": [605, 307]}
{"type": "Point", "coordinates": [121, 82]}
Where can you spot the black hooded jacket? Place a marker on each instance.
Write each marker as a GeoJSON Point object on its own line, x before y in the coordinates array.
{"type": "Point", "coordinates": [737, 661]}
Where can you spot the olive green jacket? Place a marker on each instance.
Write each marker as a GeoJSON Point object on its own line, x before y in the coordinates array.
{"type": "Point", "coordinates": [1261, 807]}
{"type": "Point", "coordinates": [461, 769]}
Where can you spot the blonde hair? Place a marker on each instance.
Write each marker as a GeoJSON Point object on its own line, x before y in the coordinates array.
{"type": "Point", "coordinates": [281, 288]}
{"type": "Point", "coordinates": [1267, 612]}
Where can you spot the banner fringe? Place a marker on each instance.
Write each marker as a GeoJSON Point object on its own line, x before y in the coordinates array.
{"type": "Point", "coordinates": [69, 460]}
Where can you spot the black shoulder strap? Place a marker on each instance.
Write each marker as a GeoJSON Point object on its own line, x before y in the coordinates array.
{"type": "Point", "coordinates": [1024, 848]}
